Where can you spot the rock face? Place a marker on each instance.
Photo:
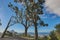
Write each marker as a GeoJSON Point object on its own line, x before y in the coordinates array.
{"type": "Point", "coordinates": [10, 38]}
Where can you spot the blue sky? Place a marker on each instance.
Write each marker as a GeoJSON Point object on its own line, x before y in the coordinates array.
{"type": "Point", "coordinates": [5, 13]}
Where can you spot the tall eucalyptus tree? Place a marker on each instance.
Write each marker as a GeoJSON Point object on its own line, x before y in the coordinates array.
{"type": "Point", "coordinates": [32, 13]}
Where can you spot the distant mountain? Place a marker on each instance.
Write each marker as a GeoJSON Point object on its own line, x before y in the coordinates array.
{"type": "Point", "coordinates": [40, 33]}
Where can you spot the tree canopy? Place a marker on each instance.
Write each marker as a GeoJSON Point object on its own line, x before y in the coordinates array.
{"type": "Point", "coordinates": [31, 14]}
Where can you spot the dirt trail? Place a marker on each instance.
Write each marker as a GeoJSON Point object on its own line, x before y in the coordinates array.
{"type": "Point", "coordinates": [12, 38]}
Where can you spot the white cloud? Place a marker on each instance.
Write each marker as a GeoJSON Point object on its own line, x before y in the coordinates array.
{"type": "Point", "coordinates": [53, 6]}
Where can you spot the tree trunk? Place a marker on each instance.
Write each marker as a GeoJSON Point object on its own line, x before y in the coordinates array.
{"type": "Point", "coordinates": [6, 29]}
{"type": "Point", "coordinates": [4, 32]}
{"type": "Point", "coordinates": [36, 33]}
{"type": "Point", "coordinates": [26, 29]}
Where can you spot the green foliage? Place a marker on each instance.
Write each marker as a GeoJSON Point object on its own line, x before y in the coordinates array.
{"type": "Point", "coordinates": [58, 27]}
{"type": "Point", "coordinates": [10, 5]}
{"type": "Point", "coordinates": [41, 1]}
{"type": "Point", "coordinates": [33, 10]}
{"type": "Point", "coordinates": [15, 1]}
{"type": "Point", "coordinates": [43, 24]}
{"type": "Point", "coordinates": [53, 36]}
{"type": "Point", "coordinates": [57, 31]}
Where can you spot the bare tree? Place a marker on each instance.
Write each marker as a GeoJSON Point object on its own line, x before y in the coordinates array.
{"type": "Point", "coordinates": [11, 22]}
